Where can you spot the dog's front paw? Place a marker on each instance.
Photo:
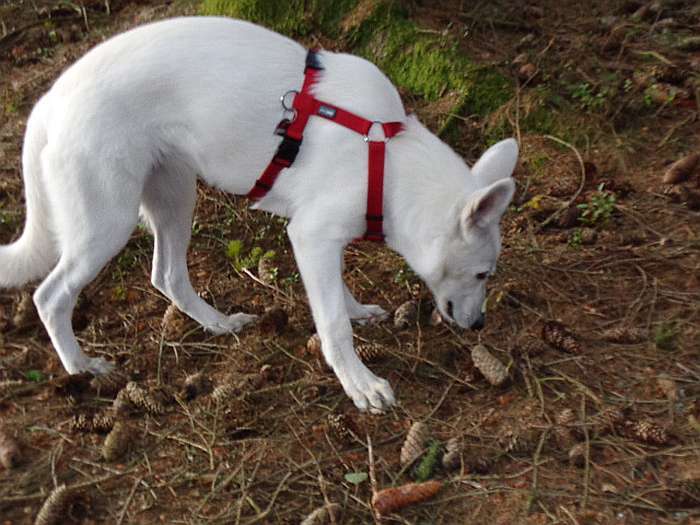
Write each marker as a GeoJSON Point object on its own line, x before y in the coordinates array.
{"type": "Point", "coordinates": [97, 366]}
{"type": "Point", "coordinates": [366, 390]}
{"type": "Point", "coordinates": [369, 314]}
{"type": "Point", "coordinates": [233, 323]}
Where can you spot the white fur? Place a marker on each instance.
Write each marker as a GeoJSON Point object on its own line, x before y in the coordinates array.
{"type": "Point", "coordinates": [130, 126]}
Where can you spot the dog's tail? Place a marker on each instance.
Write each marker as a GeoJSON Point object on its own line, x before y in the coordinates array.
{"type": "Point", "coordinates": [34, 254]}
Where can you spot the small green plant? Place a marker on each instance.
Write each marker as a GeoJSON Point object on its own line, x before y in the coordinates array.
{"type": "Point", "coordinates": [576, 239]}
{"type": "Point", "coordinates": [119, 292]}
{"type": "Point", "coordinates": [665, 336]}
{"type": "Point", "coordinates": [588, 99]}
{"type": "Point", "coordinates": [599, 209]}
{"type": "Point", "coordinates": [234, 252]}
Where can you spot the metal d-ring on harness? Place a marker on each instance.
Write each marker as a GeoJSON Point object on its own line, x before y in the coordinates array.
{"type": "Point", "coordinates": [297, 112]}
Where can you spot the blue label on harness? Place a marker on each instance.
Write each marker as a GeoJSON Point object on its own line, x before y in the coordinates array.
{"type": "Point", "coordinates": [327, 112]}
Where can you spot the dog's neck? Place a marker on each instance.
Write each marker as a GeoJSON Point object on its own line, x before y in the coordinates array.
{"type": "Point", "coordinates": [423, 195]}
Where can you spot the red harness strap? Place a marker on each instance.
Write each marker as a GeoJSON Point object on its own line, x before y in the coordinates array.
{"type": "Point", "coordinates": [306, 105]}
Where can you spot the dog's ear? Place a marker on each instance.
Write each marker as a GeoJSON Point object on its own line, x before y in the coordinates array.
{"type": "Point", "coordinates": [487, 205]}
{"type": "Point", "coordinates": [497, 162]}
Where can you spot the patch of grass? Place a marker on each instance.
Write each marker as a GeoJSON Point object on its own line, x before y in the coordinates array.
{"type": "Point", "coordinates": [291, 17]}
{"type": "Point", "coordinates": [235, 253]}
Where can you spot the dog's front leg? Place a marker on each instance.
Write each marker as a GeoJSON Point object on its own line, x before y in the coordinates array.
{"type": "Point", "coordinates": [320, 264]}
{"type": "Point", "coordinates": [363, 313]}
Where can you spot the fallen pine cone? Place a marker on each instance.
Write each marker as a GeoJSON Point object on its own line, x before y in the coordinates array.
{"type": "Point", "coordinates": [668, 388]}
{"type": "Point", "coordinates": [9, 450]}
{"type": "Point", "coordinates": [452, 459]}
{"type": "Point", "coordinates": [99, 423]}
{"type": "Point", "coordinates": [55, 509]}
{"type": "Point", "coordinates": [322, 515]}
{"type": "Point", "coordinates": [565, 435]}
{"type": "Point", "coordinates": [341, 428]}
{"type": "Point", "coordinates": [682, 169]}
{"type": "Point", "coordinates": [491, 368]}
{"type": "Point", "coordinates": [406, 315]}
{"type": "Point", "coordinates": [645, 431]}
{"type": "Point", "coordinates": [25, 313]}
{"type": "Point", "coordinates": [117, 443]}
{"type": "Point", "coordinates": [605, 421]}
{"type": "Point", "coordinates": [369, 352]}
{"type": "Point", "coordinates": [267, 271]}
{"type": "Point", "coordinates": [73, 386]}
{"type": "Point", "coordinates": [415, 443]}
{"type": "Point", "coordinates": [577, 454]}
{"type": "Point", "coordinates": [110, 384]}
{"type": "Point", "coordinates": [558, 336]}
{"type": "Point", "coordinates": [196, 385]}
{"type": "Point", "coordinates": [682, 494]}
{"type": "Point", "coordinates": [390, 500]}
{"type": "Point", "coordinates": [174, 323]}
{"type": "Point", "coordinates": [135, 396]}
{"type": "Point", "coordinates": [624, 334]}
{"type": "Point", "coordinates": [273, 321]}
{"type": "Point", "coordinates": [234, 386]}
{"type": "Point", "coordinates": [313, 346]}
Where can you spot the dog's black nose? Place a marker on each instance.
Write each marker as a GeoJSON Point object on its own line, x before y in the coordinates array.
{"type": "Point", "coordinates": [479, 323]}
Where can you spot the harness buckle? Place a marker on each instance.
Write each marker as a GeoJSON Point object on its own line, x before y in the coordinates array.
{"type": "Point", "coordinates": [287, 103]}
{"type": "Point", "coordinates": [287, 150]}
{"type": "Point", "coordinates": [375, 123]}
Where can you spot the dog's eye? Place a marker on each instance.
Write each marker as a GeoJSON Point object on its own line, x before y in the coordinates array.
{"type": "Point", "coordinates": [481, 276]}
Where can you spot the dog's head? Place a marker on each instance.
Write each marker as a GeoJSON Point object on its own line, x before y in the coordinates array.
{"type": "Point", "coordinates": [467, 255]}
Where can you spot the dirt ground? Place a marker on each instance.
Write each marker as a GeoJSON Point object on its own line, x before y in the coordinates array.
{"type": "Point", "coordinates": [599, 424]}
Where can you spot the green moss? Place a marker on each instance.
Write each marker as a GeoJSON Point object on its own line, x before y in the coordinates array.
{"type": "Point", "coordinates": [291, 17]}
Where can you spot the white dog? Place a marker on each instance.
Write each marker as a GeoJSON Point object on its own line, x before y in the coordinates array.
{"type": "Point", "coordinates": [129, 127]}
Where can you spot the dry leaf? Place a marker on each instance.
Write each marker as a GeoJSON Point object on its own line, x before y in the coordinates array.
{"type": "Point", "coordinates": [390, 500]}
{"type": "Point", "coordinates": [174, 323]}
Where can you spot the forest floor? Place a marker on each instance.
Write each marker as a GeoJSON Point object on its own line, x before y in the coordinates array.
{"type": "Point", "coordinates": [603, 428]}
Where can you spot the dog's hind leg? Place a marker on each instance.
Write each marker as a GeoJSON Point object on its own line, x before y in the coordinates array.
{"type": "Point", "coordinates": [93, 216]}
{"type": "Point", "coordinates": [167, 204]}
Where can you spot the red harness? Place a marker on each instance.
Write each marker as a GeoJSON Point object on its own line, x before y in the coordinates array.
{"type": "Point", "coordinates": [304, 106]}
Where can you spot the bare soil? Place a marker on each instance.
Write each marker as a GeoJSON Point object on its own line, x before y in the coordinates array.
{"type": "Point", "coordinates": [267, 451]}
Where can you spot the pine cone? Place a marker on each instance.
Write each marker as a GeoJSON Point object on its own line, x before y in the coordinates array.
{"type": "Point", "coordinates": [10, 455]}
{"type": "Point", "coordinates": [564, 433]}
{"type": "Point", "coordinates": [588, 235]}
{"type": "Point", "coordinates": [99, 423]}
{"type": "Point", "coordinates": [196, 385]}
{"type": "Point", "coordinates": [452, 459]}
{"type": "Point", "coordinates": [563, 187]}
{"type": "Point", "coordinates": [406, 315]}
{"type": "Point", "coordinates": [415, 443]}
{"type": "Point", "coordinates": [117, 443]}
{"type": "Point", "coordinates": [267, 272]}
{"type": "Point", "coordinates": [234, 386]}
{"type": "Point", "coordinates": [491, 368]}
{"type": "Point", "coordinates": [577, 454]}
{"type": "Point", "coordinates": [682, 494]}
{"type": "Point", "coordinates": [273, 321]}
{"type": "Point", "coordinates": [151, 401]}
{"type": "Point", "coordinates": [370, 352]}
{"type": "Point", "coordinates": [558, 336]}
{"type": "Point", "coordinates": [55, 509]}
{"type": "Point", "coordinates": [313, 346]}
{"type": "Point", "coordinates": [174, 323]}
{"type": "Point", "coordinates": [322, 515]}
{"type": "Point", "coordinates": [645, 431]}
{"type": "Point", "coordinates": [341, 428]}
{"type": "Point", "coordinates": [605, 421]}
{"type": "Point", "coordinates": [25, 314]}
{"type": "Point", "coordinates": [624, 334]}
{"type": "Point", "coordinates": [110, 384]}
